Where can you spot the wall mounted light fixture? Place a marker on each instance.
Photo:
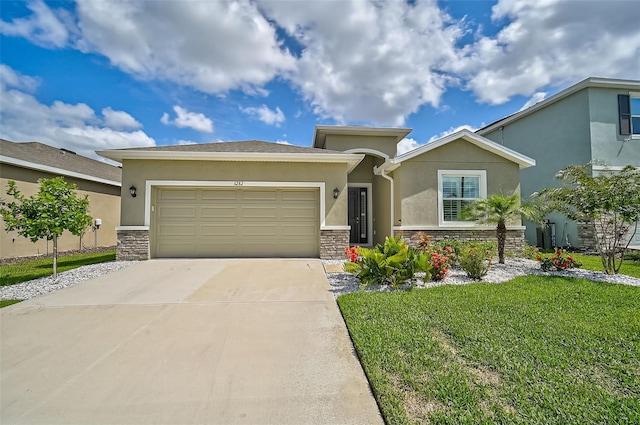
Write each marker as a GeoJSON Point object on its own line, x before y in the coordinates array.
{"type": "Point", "coordinates": [132, 191]}
{"type": "Point", "coordinates": [336, 192]}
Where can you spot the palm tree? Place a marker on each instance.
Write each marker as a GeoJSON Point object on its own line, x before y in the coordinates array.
{"type": "Point", "coordinates": [500, 209]}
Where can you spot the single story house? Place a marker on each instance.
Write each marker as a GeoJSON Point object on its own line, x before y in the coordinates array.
{"type": "Point", "coordinates": [25, 163]}
{"type": "Point", "coordinates": [261, 199]}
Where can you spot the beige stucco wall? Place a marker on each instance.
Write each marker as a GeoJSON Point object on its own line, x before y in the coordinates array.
{"type": "Point", "coordinates": [416, 181]}
{"type": "Point", "coordinates": [137, 172]}
{"type": "Point", "coordinates": [342, 142]}
{"type": "Point", "coordinates": [104, 203]}
{"type": "Point", "coordinates": [381, 209]}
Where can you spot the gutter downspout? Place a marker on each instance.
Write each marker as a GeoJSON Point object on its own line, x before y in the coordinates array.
{"type": "Point", "coordinates": [381, 171]}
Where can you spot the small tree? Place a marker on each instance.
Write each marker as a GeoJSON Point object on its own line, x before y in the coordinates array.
{"type": "Point", "coordinates": [45, 215]}
{"type": "Point", "coordinates": [499, 210]}
{"type": "Point", "coordinates": [609, 201]}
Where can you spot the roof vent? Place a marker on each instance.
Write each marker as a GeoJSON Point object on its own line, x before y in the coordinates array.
{"type": "Point", "coordinates": [64, 151]}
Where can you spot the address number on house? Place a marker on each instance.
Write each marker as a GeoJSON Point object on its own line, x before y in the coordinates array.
{"type": "Point", "coordinates": [238, 183]}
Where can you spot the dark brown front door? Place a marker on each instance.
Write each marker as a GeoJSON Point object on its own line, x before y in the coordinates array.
{"type": "Point", "coordinates": [358, 219]}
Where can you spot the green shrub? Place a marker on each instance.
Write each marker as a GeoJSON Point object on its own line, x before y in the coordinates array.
{"type": "Point", "coordinates": [476, 258]}
{"type": "Point", "coordinates": [390, 264]}
{"type": "Point", "coordinates": [559, 261]}
{"type": "Point", "coordinates": [454, 244]}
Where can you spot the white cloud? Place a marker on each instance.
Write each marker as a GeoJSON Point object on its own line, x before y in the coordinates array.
{"type": "Point", "coordinates": [407, 144]}
{"type": "Point", "coordinates": [537, 97]}
{"type": "Point", "coordinates": [186, 119]}
{"type": "Point", "coordinates": [552, 43]}
{"type": "Point", "coordinates": [212, 46]}
{"type": "Point", "coordinates": [74, 127]}
{"type": "Point", "coordinates": [45, 27]}
{"type": "Point", "coordinates": [266, 115]}
{"type": "Point", "coordinates": [119, 119]}
{"type": "Point", "coordinates": [11, 78]}
{"type": "Point", "coordinates": [451, 131]}
{"type": "Point", "coordinates": [360, 61]}
{"type": "Point", "coordinates": [368, 61]}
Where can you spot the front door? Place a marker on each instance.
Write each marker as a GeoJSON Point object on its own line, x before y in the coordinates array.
{"type": "Point", "coordinates": [358, 219]}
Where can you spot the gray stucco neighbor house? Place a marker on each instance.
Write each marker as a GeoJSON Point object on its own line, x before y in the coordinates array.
{"type": "Point", "coordinates": [597, 119]}
{"type": "Point", "coordinates": [261, 199]}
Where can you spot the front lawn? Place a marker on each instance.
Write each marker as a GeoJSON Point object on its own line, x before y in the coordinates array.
{"type": "Point", "coordinates": [593, 262]}
{"type": "Point", "coordinates": [5, 303]}
{"type": "Point", "coordinates": [535, 350]}
{"type": "Point", "coordinates": [33, 269]}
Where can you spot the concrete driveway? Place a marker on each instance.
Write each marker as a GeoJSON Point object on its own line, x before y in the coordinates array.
{"type": "Point", "coordinates": [185, 342]}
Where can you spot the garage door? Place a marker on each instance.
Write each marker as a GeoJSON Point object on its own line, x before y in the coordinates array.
{"type": "Point", "coordinates": [236, 222]}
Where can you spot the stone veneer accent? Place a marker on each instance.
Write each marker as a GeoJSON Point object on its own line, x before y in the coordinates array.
{"type": "Point", "coordinates": [333, 243]}
{"type": "Point", "coordinates": [514, 242]}
{"type": "Point", "coordinates": [133, 245]}
{"type": "Point", "coordinates": [586, 235]}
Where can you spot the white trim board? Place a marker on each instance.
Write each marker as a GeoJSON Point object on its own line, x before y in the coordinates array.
{"type": "Point", "coordinates": [239, 184]}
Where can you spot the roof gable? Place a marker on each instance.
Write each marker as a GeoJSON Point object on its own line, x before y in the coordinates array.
{"type": "Point", "coordinates": [522, 160]}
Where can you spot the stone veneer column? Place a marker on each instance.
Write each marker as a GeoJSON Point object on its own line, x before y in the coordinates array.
{"type": "Point", "coordinates": [333, 243]}
{"type": "Point", "coordinates": [514, 242]}
{"type": "Point", "coordinates": [133, 245]}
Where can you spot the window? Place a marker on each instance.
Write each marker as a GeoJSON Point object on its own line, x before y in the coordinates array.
{"type": "Point", "coordinates": [629, 112]}
{"type": "Point", "coordinates": [456, 189]}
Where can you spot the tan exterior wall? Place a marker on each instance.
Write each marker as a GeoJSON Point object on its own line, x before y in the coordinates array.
{"type": "Point", "coordinates": [137, 172]}
{"type": "Point", "coordinates": [384, 144]}
{"type": "Point", "coordinates": [381, 209]}
{"type": "Point", "coordinates": [104, 203]}
{"type": "Point", "coordinates": [416, 181]}
{"type": "Point", "coordinates": [363, 173]}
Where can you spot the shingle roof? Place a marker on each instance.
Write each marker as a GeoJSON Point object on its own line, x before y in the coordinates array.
{"type": "Point", "coordinates": [257, 146]}
{"type": "Point", "coordinates": [48, 156]}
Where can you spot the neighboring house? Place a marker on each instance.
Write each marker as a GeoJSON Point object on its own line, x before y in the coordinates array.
{"type": "Point", "coordinates": [260, 199]}
{"type": "Point", "coordinates": [597, 119]}
{"type": "Point", "coordinates": [25, 163]}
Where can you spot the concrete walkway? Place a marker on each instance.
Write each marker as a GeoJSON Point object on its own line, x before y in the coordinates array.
{"type": "Point", "coordinates": [185, 342]}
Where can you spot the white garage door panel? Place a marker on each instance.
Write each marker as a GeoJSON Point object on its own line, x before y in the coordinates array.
{"type": "Point", "coordinates": [236, 222]}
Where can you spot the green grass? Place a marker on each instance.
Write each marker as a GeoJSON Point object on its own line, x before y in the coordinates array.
{"type": "Point", "coordinates": [535, 350]}
{"type": "Point", "coordinates": [593, 262]}
{"type": "Point", "coordinates": [33, 269]}
{"type": "Point", "coordinates": [5, 303]}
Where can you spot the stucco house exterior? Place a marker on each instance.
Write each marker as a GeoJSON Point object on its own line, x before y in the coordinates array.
{"type": "Point", "coordinates": [25, 163]}
{"type": "Point", "coordinates": [597, 119]}
{"type": "Point", "coordinates": [261, 199]}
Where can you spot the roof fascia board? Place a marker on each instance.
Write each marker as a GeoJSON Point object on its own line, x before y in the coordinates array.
{"type": "Point", "coordinates": [55, 170]}
{"type": "Point", "coordinates": [586, 83]}
{"type": "Point", "coordinates": [119, 155]}
{"type": "Point", "coordinates": [321, 132]}
{"type": "Point", "coordinates": [522, 160]}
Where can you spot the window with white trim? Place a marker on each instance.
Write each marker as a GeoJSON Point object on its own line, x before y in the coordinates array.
{"type": "Point", "coordinates": [456, 189]}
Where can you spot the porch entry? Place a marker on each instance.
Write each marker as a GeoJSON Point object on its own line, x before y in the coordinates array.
{"type": "Point", "coordinates": [358, 216]}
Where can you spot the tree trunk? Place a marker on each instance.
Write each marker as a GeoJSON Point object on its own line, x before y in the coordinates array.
{"type": "Point", "coordinates": [55, 257]}
{"type": "Point", "coordinates": [501, 233]}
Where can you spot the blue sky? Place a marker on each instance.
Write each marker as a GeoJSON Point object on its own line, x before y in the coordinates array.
{"type": "Point", "coordinates": [90, 75]}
